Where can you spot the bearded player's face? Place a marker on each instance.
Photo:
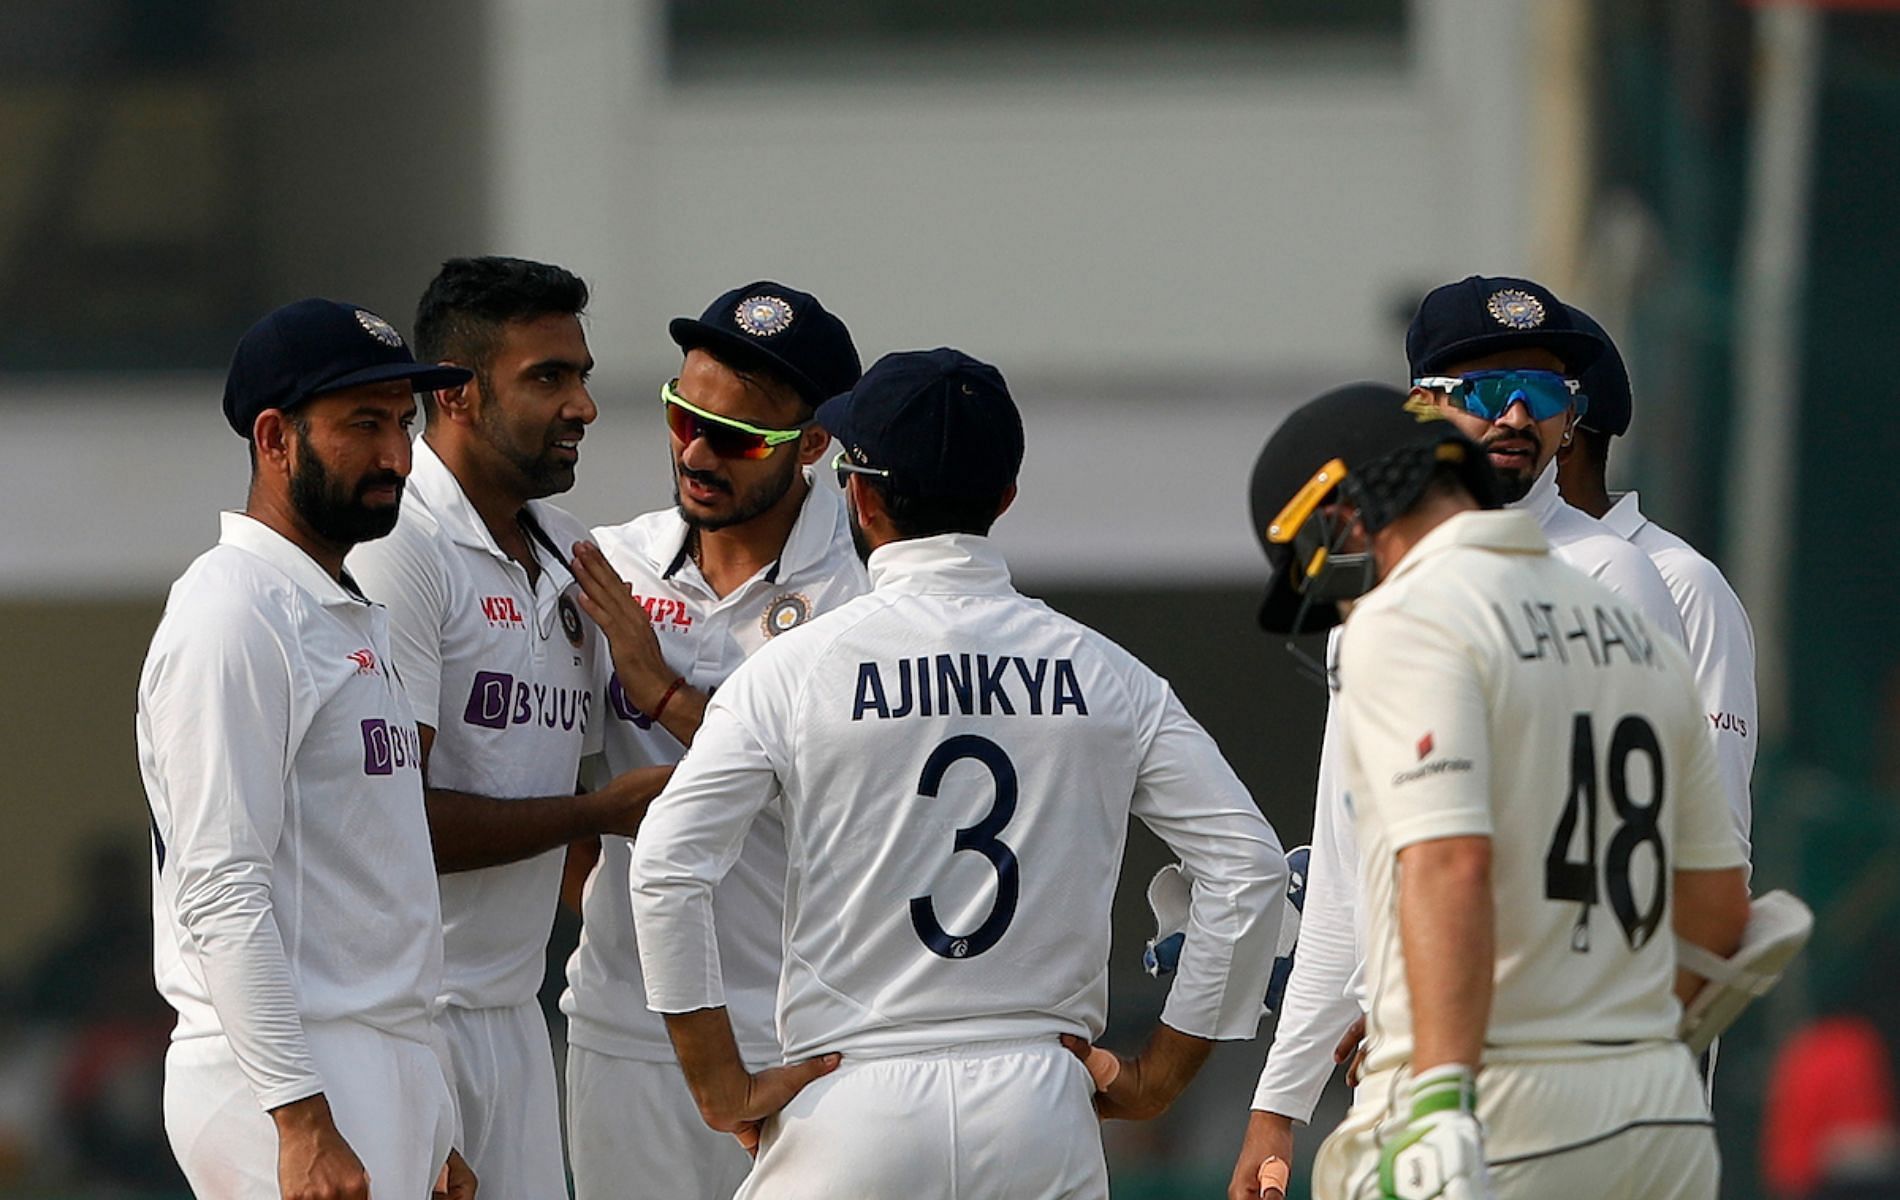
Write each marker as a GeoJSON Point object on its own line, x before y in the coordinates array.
{"type": "Point", "coordinates": [717, 493]}
{"type": "Point", "coordinates": [349, 456]}
{"type": "Point", "coordinates": [1519, 447]}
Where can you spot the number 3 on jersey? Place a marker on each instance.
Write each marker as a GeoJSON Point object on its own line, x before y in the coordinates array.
{"type": "Point", "coordinates": [980, 837]}
{"type": "Point", "coordinates": [1565, 879]}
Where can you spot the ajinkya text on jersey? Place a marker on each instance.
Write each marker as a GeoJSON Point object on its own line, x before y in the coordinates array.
{"type": "Point", "coordinates": [968, 685]}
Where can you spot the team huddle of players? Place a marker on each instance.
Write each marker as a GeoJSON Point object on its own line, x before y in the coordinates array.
{"type": "Point", "coordinates": [846, 921]}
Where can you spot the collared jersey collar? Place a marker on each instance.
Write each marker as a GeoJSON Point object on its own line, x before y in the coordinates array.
{"type": "Point", "coordinates": [806, 546]}
{"type": "Point", "coordinates": [250, 534]}
{"type": "Point", "coordinates": [1504, 531]}
{"type": "Point", "coordinates": [431, 481]}
{"type": "Point", "coordinates": [1625, 517]}
{"type": "Point", "coordinates": [1543, 500]}
{"type": "Point", "coordinates": [957, 563]}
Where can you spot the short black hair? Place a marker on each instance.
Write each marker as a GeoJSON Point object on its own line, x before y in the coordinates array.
{"type": "Point", "coordinates": [916, 517]}
{"type": "Point", "coordinates": [460, 315]}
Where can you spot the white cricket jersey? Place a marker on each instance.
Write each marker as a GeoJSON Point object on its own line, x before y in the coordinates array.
{"type": "Point", "coordinates": [1325, 991]}
{"type": "Point", "coordinates": [506, 673]}
{"type": "Point", "coordinates": [1489, 690]}
{"type": "Point", "coordinates": [293, 876]}
{"type": "Point", "coordinates": [704, 637]}
{"type": "Point", "coordinates": [955, 764]}
{"type": "Point", "coordinates": [1721, 645]}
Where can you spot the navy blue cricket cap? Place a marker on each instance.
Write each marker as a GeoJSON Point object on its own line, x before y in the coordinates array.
{"type": "Point", "coordinates": [314, 347]}
{"type": "Point", "coordinates": [780, 329]}
{"type": "Point", "coordinates": [1480, 315]}
{"type": "Point", "coordinates": [942, 423]}
{"type": "Point", "coordinates": [1605, 383]}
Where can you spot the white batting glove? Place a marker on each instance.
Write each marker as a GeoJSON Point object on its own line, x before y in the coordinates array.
{"type": "Point", "coordinates": [1438, 1154]}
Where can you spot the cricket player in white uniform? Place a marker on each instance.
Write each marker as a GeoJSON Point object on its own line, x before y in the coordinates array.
{"type": "Point", "coordinates": [1539, 816]}
{"type": "Point", "coordinates": [1503, 356]}
{"type": "Point", "coordinates": [955, 765]}
{"type": "Point", "coordinates": [1716, 629]}
{"type": "Point", "coordinates": [750, 550]}
{"type": "Point", "coordinates": [295, 922]}
{"type": "Point", "coordinates": [504, 674]}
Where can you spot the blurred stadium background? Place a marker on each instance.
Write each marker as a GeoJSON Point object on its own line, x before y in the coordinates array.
{"type": "Point", "coordinates": [1167, 223]}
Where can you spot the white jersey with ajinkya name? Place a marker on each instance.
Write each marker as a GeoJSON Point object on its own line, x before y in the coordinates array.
{"type": "Point", "coordinates": [1487, 689]}
{"type": "Point", "coordinates": [507, 673]}
{"type": "Point", "coordinates": [955, 765]}
{"type": "Point", "coordinates": [293, 881]}
{"type": "Point", "coordinates": [704, 637]}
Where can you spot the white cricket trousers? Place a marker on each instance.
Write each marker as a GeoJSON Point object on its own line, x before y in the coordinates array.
{"type": "Point", "coordinates": [503, 1069]}
{"type": "Point", "coordinates": [387, 1094]}
{"type": "Point", "coordinates": [983, 1121]}
{"type": "Point", "coordinates": [634, 1133]}
{"type": "Point", "coordinates": [1632, 1126]}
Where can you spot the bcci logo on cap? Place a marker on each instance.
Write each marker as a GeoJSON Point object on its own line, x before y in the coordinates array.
{"type": "Point", "coordinates": [378, 328]}
{"type": "Point", "coordinates": [1515, 308]}
{"type": "Point", "coordinates": [763, 316]}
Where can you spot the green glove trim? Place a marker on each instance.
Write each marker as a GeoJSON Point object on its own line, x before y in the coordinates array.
{"type": "Point", "coordinates": [1451, 1088]}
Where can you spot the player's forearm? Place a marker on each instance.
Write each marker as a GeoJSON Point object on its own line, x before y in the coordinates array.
{"type": "Point", "coordinates": [1447, 926]}
{"type": "Point", "coordinates": [469, 832]}
{"type": "Point", "coordinates": [1710, 911]}
{"type": "Point", "coordinates": [683, 714]}
{"type": "Point", "coordinates": [709, 1058]}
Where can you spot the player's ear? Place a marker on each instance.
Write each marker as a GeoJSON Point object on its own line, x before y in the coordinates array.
{"type": "Point", "coordinates": [812, 445]}
{"type": "Point", "coordinates": [270, 437]}
{"type": "Point", "coordinates": [1009, 498]}
{"type": "Point", "coordinates": [456, 403]}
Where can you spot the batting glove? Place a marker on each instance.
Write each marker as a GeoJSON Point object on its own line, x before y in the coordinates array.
{"type": "Point", "coordinates": [1438, 1154]}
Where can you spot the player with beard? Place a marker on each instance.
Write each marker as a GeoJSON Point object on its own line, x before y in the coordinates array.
{"type": "Point", "coordinates": [1500, 357]}
{"type": "Point", "coordinates": [751, 548]}
{"type": "Point", "coordinates": [505, 678]}
{"type": "Point", "coordinates": [296, 926]}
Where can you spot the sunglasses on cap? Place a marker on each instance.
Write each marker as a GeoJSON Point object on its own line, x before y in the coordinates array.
{"type": "Point", "coordinates": [727, 437]}
{"type": "Point", "coordinates": [846, 469]}
{"type": "Point", "coordinates": [1490, 394]}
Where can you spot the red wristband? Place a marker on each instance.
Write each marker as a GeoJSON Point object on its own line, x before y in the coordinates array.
{"type": "Point", "coordinates": [679, 681]}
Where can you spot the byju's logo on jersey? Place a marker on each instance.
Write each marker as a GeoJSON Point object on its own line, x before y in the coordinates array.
{"type": "Point", "coordinates": [389, 748]}
{"type": "Point", "coordinates": [664, 611]}
{"type": "Point", "coordinates": [503, 611]}
{"type": "Point", "coordinates": [497, 700]}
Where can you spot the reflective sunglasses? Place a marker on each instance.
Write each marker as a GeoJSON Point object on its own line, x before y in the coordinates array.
{"type": "Point", "coordinates": [1490, 394]}
{"type": "Point", "coordinates": [846, 469]}
{"type": "Point", "coordinates": [724, 436]}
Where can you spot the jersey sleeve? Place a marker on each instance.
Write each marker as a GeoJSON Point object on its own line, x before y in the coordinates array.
{"type": "Point", "coordinates": [1721, 645]}
{"type": "Point", "coordinates": [404, 574]}
{"type": "Point", "coordinates": [1705, 829]}
{"type": "Point", "coordinates": [692, 835]}
{"type": "Point", "coordinates": [1414, 720]}
{"type": "Point", "coordinates": [223, 725]}
{"type": "Point", "coordinates": [1629, 573]}
{"type": "Point", "coordinates": [1318, 1004]}
{"type": "Point", "coordinates": [1189, 796]}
